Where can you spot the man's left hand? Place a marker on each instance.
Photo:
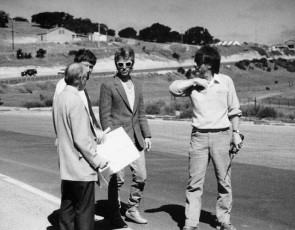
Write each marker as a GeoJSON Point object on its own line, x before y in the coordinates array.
{"type": "Point", "coordinates": [148, 144]}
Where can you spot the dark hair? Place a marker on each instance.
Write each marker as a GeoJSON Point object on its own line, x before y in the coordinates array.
{"type": "Point", "coordinates": [85, 55]}
{"type": "Point", "coordinates": [73, 72]}
{"type": "Point", "coordinates": [124, 52]}
{"type": "Point", "coordinates": [208, 55]}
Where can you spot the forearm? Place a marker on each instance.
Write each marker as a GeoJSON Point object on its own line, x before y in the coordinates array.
{"type": "Point", "coordinates": [178, 87]}
{"type": "Point", "coordinates": [235, 122]}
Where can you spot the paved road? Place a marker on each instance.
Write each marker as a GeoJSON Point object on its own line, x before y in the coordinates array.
{"type": "Point", "coordinates": [263, 188]}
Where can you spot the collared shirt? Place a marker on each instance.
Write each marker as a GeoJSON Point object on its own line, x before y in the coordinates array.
{"type": "Point", "coordinates": [213, 106]}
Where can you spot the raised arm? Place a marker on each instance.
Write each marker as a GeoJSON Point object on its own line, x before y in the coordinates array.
{"type": "Point", "coordinates": [181, 88]}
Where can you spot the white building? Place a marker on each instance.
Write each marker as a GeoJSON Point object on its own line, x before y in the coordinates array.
{"type": "Point", "coordinates": [58, 34]}
{"type": "Point", "coordinates": [97, 37]}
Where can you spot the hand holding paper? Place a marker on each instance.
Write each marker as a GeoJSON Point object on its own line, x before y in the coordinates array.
{"type": "Point", "coordinates": [118, 149]}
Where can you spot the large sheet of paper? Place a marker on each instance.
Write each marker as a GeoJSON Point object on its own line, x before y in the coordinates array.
{"type": "Point", "coordinates": [118, 149]}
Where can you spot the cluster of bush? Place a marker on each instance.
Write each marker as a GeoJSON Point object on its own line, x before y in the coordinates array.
{"type": "Point", "coordinates": [161, 107]}
{"type": "Point", "coordinates": [289, 65]}
{"type": "Point", "coordinates": [43, 102]}
{"type": "Point", "coordinates": [262, 63]}
{"type": "Point", "coordinates": [187, 74]}
{"type": "Point", "coordinates": [259, 63]}
{"type": "Point", "coordinates": [176, 56]}
{"type": "Point", "coordinates": [259, 111]}
{"type": "Point", "coordinates": [73, 52]}
{"type": "Point", "coordinates": [41, 53]}
{"type": "Point", "coordinates": [21, 55]}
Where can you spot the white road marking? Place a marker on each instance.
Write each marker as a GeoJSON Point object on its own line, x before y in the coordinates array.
{"type": "Point", "coordinates": [31, 189]}
{"type": "Point", "coordinates": [38, 192]}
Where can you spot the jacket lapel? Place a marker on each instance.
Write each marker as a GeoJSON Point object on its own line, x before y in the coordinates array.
{"type": "Point", "coordinates": [121, 91]}
{"type": "Point", "coordinates": [136, 94]}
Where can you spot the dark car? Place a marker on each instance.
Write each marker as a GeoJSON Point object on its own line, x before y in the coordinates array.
{"type": "Point", "coordinates": [29, 72]}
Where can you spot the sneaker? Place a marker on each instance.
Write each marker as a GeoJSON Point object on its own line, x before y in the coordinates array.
{"type": "Point", "coordinates": [225, 226]}
{"type": "Point", "coordinates": [135, 216]}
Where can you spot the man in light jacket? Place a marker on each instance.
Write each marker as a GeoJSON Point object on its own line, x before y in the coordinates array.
{"type": "Point", "coordinates": [78, 159]}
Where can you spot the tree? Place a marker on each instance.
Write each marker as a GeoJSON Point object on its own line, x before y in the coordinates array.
{"type": "Point", "coordinates": [127, 33]}
{"type": "Point", "coordinates": [155, 33]}
{"type": "Point", "coordinates": [174, 36]}
{"type": "Point", "coordinates": [61, 19]}
{"type": "Point", "coordinates": [4, 17]}
{"type": "Point", "coordinates": [81, 26]}
{"type": "Point", "coordinates": [20, 19]}
{"type": "Point", "coordinates": [51, 19]}
{"type": "Point", "coordinates": [197, 36]}
{"type": "Point", "coordinates": [111, 32]}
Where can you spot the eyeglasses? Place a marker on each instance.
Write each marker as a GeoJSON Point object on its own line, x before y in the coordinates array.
{"type": "Point", "coordinates": [127, 64]}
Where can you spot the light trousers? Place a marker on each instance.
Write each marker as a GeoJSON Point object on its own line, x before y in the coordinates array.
{"type": "Point", "coordinates": [138, 170]}
{"type": "Point", "coordinates": [203, 148]}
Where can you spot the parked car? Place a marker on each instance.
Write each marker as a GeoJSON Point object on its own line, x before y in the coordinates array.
{"type": "Point", "coordinates": [29, 72]}
{"type": "Point", "coordinates": [61, 71]}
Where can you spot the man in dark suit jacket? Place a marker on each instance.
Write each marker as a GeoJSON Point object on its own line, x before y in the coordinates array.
{"type": "Point", "coordinates": [121, 105]}
{"type": "Point", "coordinates": [78, 159]}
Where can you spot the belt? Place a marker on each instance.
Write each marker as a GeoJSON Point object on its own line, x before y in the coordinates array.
{"type": "Point", "coordinates": [210, 130]}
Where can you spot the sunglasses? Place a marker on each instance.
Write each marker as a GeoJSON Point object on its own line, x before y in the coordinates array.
{"type": "Point", "coordinates": [127, 64]}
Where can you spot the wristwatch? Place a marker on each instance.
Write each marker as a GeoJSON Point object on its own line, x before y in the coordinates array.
{"type": "Point", "coordinates": [236, 131]}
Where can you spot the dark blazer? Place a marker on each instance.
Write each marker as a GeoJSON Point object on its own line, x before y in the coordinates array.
{"type": "Point", "coordinates": [115, 111]}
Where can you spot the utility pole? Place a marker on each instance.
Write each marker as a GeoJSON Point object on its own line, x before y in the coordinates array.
{"type": "Point", "coordinates": [12, 34]}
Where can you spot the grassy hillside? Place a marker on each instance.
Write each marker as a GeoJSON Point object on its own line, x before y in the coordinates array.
{"type": "Point", "coordinates": [58, 54]}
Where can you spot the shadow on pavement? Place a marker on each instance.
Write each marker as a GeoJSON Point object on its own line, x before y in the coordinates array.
{"type": "Point", "coordinates": [177, 213]}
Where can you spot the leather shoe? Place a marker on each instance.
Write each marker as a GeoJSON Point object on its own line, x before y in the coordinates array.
{"type": "Point", "coordinates": [135, 216]}
{"type": "Point", "coordinates": [118, 222]}
{"type": "Point", "coordinates": [190, 228]}
{"type": "Point", "coordinates": [225, 226]}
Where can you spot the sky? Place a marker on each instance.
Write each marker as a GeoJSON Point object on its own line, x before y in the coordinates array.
{"type": "Point", "coordinates": [262, 21]}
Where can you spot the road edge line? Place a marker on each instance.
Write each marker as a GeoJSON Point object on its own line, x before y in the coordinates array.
{"type": "Point", "coordinates": [31, 189]}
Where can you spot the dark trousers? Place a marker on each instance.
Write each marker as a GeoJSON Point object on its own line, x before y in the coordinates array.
{"type": "Point", "coordinates": [77, 205]}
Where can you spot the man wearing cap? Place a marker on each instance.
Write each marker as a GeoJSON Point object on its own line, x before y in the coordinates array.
{"type": "Point", "coordinates": [215, 109]}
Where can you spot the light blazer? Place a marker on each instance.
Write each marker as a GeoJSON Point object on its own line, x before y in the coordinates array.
{"type": "Point", "coordinates": [76, 143]}
{"type": "Point", "coordinates": [115, 110]}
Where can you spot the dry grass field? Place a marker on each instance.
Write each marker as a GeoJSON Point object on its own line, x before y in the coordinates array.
{"type": "Point", "coordinates": [250, 85]}
{"type": "Point", "coordinates": [267, 88]}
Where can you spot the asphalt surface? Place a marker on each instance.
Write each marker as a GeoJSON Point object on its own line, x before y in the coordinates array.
{"type": "Point", "coordinates": [263, 196]}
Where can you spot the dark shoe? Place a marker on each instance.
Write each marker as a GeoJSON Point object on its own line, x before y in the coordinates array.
{"type": "Point", "coordinates": [118, 222]}
{"type": "Point", "coordinates": [190, 228]}
{"type": "Point", "coordinates": [227, 227]}
{"type": "Point", "coordinates": [135, 216]}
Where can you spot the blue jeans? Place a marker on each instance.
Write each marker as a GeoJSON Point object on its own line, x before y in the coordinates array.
{"type": "Point", "coordinates": [203, 147]}
{"type": "Point", "coordinates": [139, 176]}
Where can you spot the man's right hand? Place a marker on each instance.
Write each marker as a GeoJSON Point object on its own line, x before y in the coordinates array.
{"type": "Point", "coordinates": [201, 82]}
{"type": "Point", "coordinates": [103, 164]}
